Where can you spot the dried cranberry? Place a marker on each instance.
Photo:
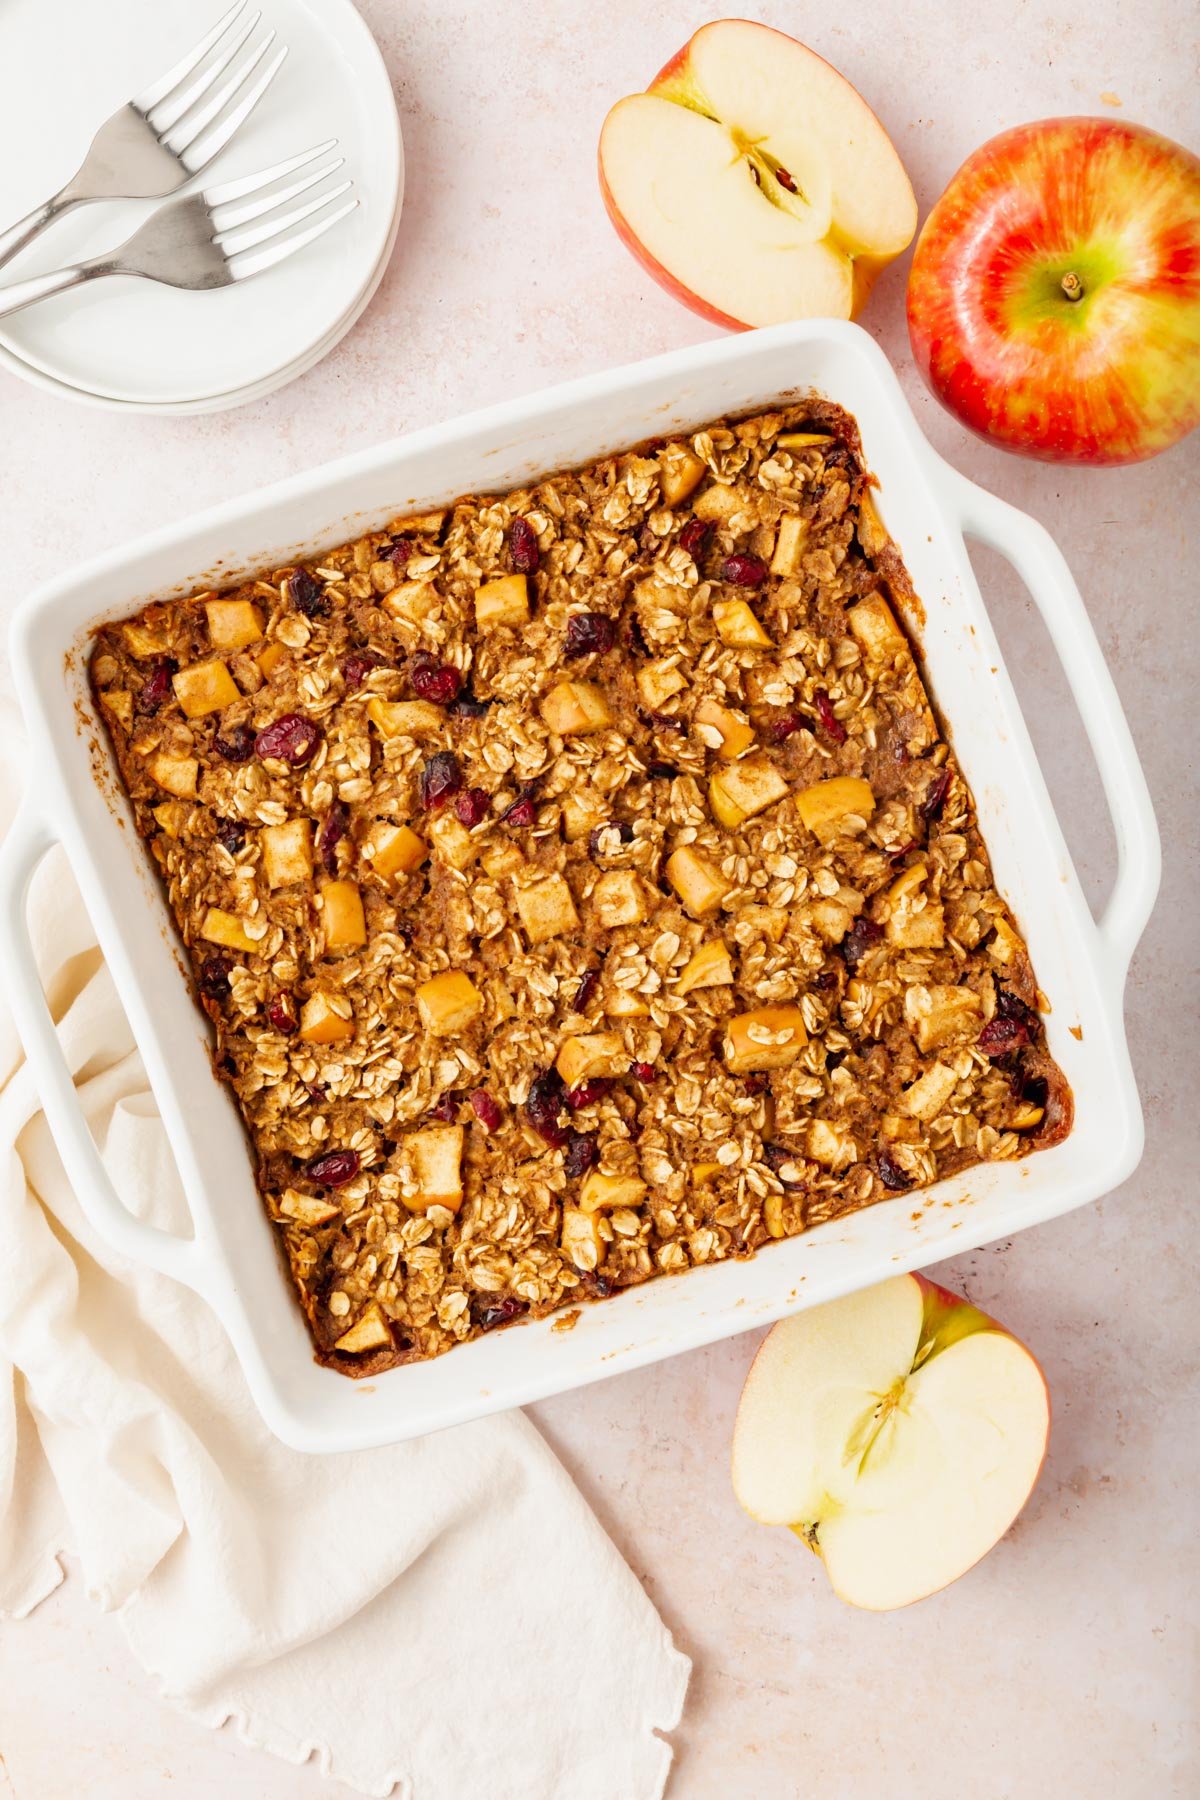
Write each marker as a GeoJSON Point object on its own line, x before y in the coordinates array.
{"type": "Point", "coordinates": [935, 797]}
{"type": "Point", "coordinates": [1009, 1007]}
{"type": "Point", "coordinates": [213, 980]}
{"type": "Point", "coordinates": [472, 806]}
{"type": "Point", "coordinates": [582, 1153]}
{"type": "Point", "coordinates": [694, 537]}
{"type": "Point", "coordinates": [467, 706]}
{"type": "Point", "coordinates": [337, 823]}
{"type": "Point", "coordinates": [635, 637]}
{"type": "Point", "coordinates": [783, 725]}
{"type": "Point", "coordinates": [487, 1109]}
{"type": "Point", "coordinates": [757, 1084]}
{"type": "Point", "coordinates": [157, 687]}
{"type": "Point", "coordinates": [1000, 1036]}
{"type": "Point", "coordinates": [231, 835]}
{"type": "Point", "coordinates": [523, 552]}
{"type": "Point", "coordinates": [583, 993]}
{"type": "Point", "coordinates": [660, 771]}
{"type": "Point", "coordinates": [544, 1105]}
{"type": "Point", "coordinates": [358, 665]}
{"type": "Point", "coordinates": [831, 725]}
{"type": "Point", "coordinates": [236, 746]}
{"type": "Point", "coordinates": [398, 551]}
{"type": "Point", "coordinates": [589, 633]}
{"type": "Point", "coordinates": [859, 939]}
{"type": "Point", "coordinates": [784, 179]}
{"type": "Point", "coordinates": [282, 1014]}
{"type": "Point", "coordinates": [643, 1071]}
{"type": "Point", "coordinates": [306, 593]}
{"type": "Point", "coordinates": [624, 833]}
{"type": "Point", "coordinates": [439, 780]}
{"type": "Point", "coordinates": [522, 811]}
{"type": "Point", "coordinates": [891, 1174]}
{"type": "Point", "coordinates": [334, 1169]}
{"type": "Point", "coordinates": [587, 1093]}
{"type": "Point", "coordinates": [601, 1285]}
{"type": "Point", "coordinates": [445, 1110]}
{"type": "Point", "coordinates": [292, 739]}
{"type": "Point", "coordinates": [777, 1157]}
{"type": "Point", "coordinates": [500, 1312]}
{"type": "Point", "coordinates": [662, 721]}
{"type": "Point", "coordinates": [744, 570]}
{"type": "Point", "coordinates": [432, 680]}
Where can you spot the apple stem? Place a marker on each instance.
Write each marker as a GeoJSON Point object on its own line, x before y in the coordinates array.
{"type": "Point", "coordinates": [1071, 285]}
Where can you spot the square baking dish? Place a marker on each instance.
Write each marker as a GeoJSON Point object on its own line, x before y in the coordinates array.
{"type": "Point", "coordinates": [231, 1259]}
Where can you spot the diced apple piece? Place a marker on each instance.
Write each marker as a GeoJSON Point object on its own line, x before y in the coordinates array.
{"type": "Point", "coordinates": [828, 805]}
{"type": "Point", "coordinates": [178, 774]}
{"type": "Point", "coordinates": [448, 1003]}
{"type": "Point", "coordinates": [502, 602]}
{"type": "Point", "coordinates": [172, 816]}
{"type": "Point", "coordinates": [829, 919]}
{"type": "Point", "coordinates": [942, 1014]}
{"type": "Point", "coordinates": [871, 532]}
{"type": "Point", "coordinates": [623, 1003]}
{"type": "Point", "coordinates": [593, 1053]}
{"type": "Point", "coordinates": [142, 641]}
{"type": "Point", "coordinates": [733, 730]}
{"type": "Point", "coordinates": [717, 504]}
{"type": "Point", "coordinates": [582, 810]}
{"type": "Point", "coordinates": [269, 658]}
{"type": "Point", "coordinates": [1027, 1117]}
{"type": "Point", "coordinates": [370, 1332]}
{"type": "Point", "coordinates": [764, 921]}
{"type": "Point", "coordinates": [308, 1209]}
{"type": "Point", "coordinates": [737, 626]}
{"type": "Point", "coordinates": [599, 1192]}
{"type": "Point", "coordinates": [574, 708]}
{"type": "Point", "coordinates": [928, 1095]}
{"type": "Point", "coordinates": [619, 898]}
{"type": "Point", "coordinates": [874, 625]}
{"type": "Point", "coordinates": [1006, 946]}
{"type": "Point", "coordinates": [232, 624]}
{"type": "Point", "coordinates": [398, 850]}
{"type": "Point", "coordinates": [773, 1215]}
{"type": "Point", "coordinates": [770, 1037]}
{"type": "Point", "coordinates": [703, 1174]}
{"type": "Point", "coordinates": [802, 440]}
{"type": "Point", "coordinates": [412, 601]}
{"type": "Point", "coordinates": [913, 919]}
{"type": "Point", "coordinates": [680, 473]}
{"type": "Point", "coordinates": [500, 860]}
{"type": "Point", "coordinates": [204, 688]}
{"type": "Point", "coordinates": [435, 1156]}
{"type": "Point", "coordinates": [581, 1241]}
{"type": "Point", "coordinates": [119, 702]}
{"type": "Point", "coordinates": [321, 1024]}
{"type": "Point", "coordinates": [790, 543]}
{"type": "Point", "coordinates": [342, 915]}
{"type": "Point", "coordinates": [225, 928]}
{"type": "Point", "coordinates": [658, 681]}
{"type": "Point", "coordinates": [547, 909]}
{"type": "Point", "coordinates": [712, 966]}
{"type": "Point", "coordinates": [452, 841]}
{"type": "Point", "coordinates": [831, 1144]}
{"type": "Point", "coordinates": [700, 885]}
{"type": "Point", "coordinates": [287, 852]}
{"type": "Point", "coordinates": [745, 789]}
{"type": "Point", "coordinates": [405, 718]}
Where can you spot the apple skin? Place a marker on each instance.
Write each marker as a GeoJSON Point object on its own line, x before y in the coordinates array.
{"type": "Point", "coordinates": [1110, 378]}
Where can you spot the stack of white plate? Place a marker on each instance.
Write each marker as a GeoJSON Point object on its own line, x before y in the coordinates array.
{"type": "Point", "coordinates": [135, 346]}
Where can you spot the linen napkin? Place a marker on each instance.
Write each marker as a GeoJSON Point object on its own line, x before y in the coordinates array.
{"type": "Point", "coordinates": [443, 1616]}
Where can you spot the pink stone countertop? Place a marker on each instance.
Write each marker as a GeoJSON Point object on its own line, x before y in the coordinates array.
{"type": "Point", "coordinates": [1066, 1664]}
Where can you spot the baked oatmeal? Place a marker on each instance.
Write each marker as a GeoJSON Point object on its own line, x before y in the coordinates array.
{"type": "Point", "coordinates": [579, 884]}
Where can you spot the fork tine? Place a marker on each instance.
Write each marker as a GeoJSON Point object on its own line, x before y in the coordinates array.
{"type": "Point", "coordinates": [158, 90]}
{"type": "Point", "coordinates": [257, 260]}
{"type": "Point", "coordinates": [174, 106]}
{"type": "Point", "coordinates": [267, 203]}
{"type": "Point", "coordinates": [199, 152]}
{"type": "Point", "coordinates": [253, 184]}
{"type": "Point", "coordinates": [198, 121]}
{"type": "Point", "coordinates": [233, 242]}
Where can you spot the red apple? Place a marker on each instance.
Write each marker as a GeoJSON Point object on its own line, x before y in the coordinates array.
{"type": "Point", "coordinates": [754, 182]}
{"type": "Point", "coordinates": [1054, 297]}
{"type": "Point", "coordinates": [898, 1432]}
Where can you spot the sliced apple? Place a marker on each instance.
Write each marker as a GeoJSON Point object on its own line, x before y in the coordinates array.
{"type": "Point", "coordinates": [898, 1432]}
{"type": "Point", "coordinates": [754, 182]}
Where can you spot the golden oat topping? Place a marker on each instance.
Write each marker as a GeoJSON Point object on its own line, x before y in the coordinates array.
{"type": "Point", "coordinates": [579, 884]}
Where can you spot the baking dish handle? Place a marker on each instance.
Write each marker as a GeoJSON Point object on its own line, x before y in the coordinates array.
{"type": "Point", "coordinates": [1037, 559]}
{"type": "Point", "coordinates": [29, 840]}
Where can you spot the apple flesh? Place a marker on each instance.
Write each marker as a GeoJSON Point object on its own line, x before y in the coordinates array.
{"type": "Point", "coordinates": [898, 1432]}
{"type": "Point", "coordinates": [754, 182]}
{"type": "Point", "coordinates": [1054, 297]}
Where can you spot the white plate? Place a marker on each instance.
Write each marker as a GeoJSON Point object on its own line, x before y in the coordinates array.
{"type": "Point", "coordinates": [136, 343]}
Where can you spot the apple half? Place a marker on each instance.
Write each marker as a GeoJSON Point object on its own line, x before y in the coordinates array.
{"type": "Point", "coordinates": [898, 1432]}
{"type": "Point", "coordinates": [754, 182]}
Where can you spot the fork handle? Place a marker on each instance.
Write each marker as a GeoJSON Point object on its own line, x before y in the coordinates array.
{"type": "Point", "coordinates": [16, 294]}
{"type": "Point", "coordinates": [26, 229]}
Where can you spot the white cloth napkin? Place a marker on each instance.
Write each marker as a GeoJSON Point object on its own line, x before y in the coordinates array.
{"type": "Point", "coordinates": [444, 1615]}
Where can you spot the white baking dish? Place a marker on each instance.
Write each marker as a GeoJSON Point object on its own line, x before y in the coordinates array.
{"type": "Point", "coordinates": [231, 1259]}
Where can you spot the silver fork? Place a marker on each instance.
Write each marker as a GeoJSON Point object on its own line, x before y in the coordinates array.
{"type": "Point", "coordinates": [168, 132]}
{"type": "Point", "coordinates": [209, 240]}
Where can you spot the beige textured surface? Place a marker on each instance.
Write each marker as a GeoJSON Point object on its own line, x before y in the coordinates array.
{"type": "Point", "coordinates": [1067, 1663]}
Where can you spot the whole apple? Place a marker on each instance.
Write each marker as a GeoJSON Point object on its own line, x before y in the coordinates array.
{"type": "Point", "coordinates": [1054, 297]}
